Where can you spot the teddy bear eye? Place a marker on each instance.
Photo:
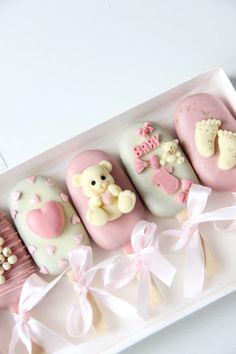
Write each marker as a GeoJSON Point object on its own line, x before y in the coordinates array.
{"type": "Point", "coordinates": [93, 183]}
{"type": "Point", "coordinates": [103, 177]}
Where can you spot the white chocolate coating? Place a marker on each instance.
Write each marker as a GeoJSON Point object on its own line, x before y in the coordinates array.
{"type": "Point", "coordinates": [157, 201]}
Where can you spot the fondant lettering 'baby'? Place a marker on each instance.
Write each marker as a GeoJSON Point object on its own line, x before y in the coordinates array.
{"type": "Point", "coordinates": [148, 145]}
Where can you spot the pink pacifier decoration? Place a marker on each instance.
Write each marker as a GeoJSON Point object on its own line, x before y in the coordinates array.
{"type": "Point", "coordinates": [48, 221]}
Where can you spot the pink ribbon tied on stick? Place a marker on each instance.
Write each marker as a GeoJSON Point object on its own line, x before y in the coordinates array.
{"type": "Point", "coordinates": [189, 237]}
{"type": "Point", "coordinates": [146, 260]}
{"type": "Point", "coordinates": [26, 327]}
{"type": "Point", "coordinates": [80, 318]}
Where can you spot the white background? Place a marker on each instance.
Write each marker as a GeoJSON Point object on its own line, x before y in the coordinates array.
{"type": "Point", "coordinates": [66, 65]}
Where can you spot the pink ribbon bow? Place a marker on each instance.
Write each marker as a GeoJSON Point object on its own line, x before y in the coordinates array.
{"type": "Point", "coordinates": [80, 318]}
{"type": "Point", "coordinates": [146, 130]}
{"type": "Point", "coordinates": [189, 237]}
{"type": "Point", "coordinates": [140, 165]}
{"type": "Point", "coordinates": [26, 327]}
{"type": "Point", "coordinates": [145, 260]}
{"type": "Point", "coordinates": [182, 197]}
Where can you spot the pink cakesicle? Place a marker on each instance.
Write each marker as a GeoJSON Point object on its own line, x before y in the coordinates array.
{"type": "Point", "coordinates": [104, 198]}
{"type": "Point", "coordinates": [207, 132]}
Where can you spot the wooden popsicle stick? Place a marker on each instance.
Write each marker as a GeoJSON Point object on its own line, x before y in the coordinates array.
{"type": "Point", "coordinates": [156, 298]}
{"type": "Point", "coordinates": [99, 322]}
{"type": "Point", "coordinates": [211, 266]}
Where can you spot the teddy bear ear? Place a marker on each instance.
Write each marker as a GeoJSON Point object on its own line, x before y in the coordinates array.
{"type": "Point", "coordinates": [176, 141]}
{"type": "Point", "coordinates": [76, 180]}
{"type": "Point", "coordinates": [106, 164]}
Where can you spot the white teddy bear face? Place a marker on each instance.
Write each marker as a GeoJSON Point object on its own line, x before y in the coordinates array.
{"type": "Point", "coordinates": [95, 179]}
{"type": "Point", "coordinates": [171, 146]}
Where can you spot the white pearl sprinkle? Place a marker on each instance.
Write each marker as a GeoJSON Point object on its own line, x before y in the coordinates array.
{"type": "Point", "coordinates": [2, 259]}
{"type": "Point", "coordinates": [1, 241]}
{"type": "Point", "coordinates": [12, 259]}
{"type": "Point", "coordinates": [6, 266]}
{"type": "Point", "coordinates": [1, 271]}
{"type": "Point", "coordinates": [7, 252]}
{"type": "Point", "coordinates": [2, 279]}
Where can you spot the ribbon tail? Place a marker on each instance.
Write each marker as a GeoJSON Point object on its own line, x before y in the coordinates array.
{"type": "Point", "coordinates": [80, 318]}
{"type": "Point", "coordinates": [120, 307]}
{"type": "Point", "coordinates": [194, 267]}
{"type": "Point", "coordinates": [20, 333]}
{"type": "Point", "coordinates": [159, 266]}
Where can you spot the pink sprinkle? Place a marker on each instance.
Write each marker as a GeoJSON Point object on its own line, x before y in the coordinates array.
{"type": "Point", "coordinates": [51, 250]}
{"type": "Point", "coordinates": [16, 195]}
{"type": "Point", "coordinates": [31, 179]}
{"type": "Point", "coordinates": [64, 197]}
{"type": "Point", "coordinates": [43, 270]}
{"type": "Point", "coordinates": [75, 219]}
{"type": "Point", "coordinates": [78, 238]}
{"type": "Point", "coordinates": [62, 263]}
{"type": "Point", "coordinates": [13, 213]}
{"type": "Point", "coordinates": [49, 182]}
{"type": "Point", "coordinates": [35, 199]}
{"type": "Point", "coordinates": [32, 249]}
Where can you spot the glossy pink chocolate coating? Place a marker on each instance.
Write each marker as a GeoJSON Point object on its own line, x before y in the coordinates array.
{"type": "Point", "coordinates": [116, 233]}
{"type": "Point", "coordinates": [191, 110]}
{"type": "Point", "coordinates": [20, 271]}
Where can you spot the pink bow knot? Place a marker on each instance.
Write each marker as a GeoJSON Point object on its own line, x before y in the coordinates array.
{"type": "Point", "coordinates": [24, 317]}
{"type": "Point", "coordinates": [141, 165]}
{"type": "Point", "coordinates": [146, 130]}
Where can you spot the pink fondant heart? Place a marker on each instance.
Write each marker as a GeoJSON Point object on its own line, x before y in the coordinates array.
{"type": "Point", "coordinates": [62, 263]}
{"type": "Point", "coordinates": [75, 219]}
{"type": "Point", "coordinates": [48, 221]}
{"type": "Point", "coordinates": [32, 249]}
{"type": "Point", "coordinates": [49, 182]}
{"type": "Point", "coordinates": [31, 179]}
{"type": "Point", "coordinates": [78, 238]}
{"type": "Point", "coordinates": [64, 197]}
{"type": "Point", "coordinates": [13, 213]}
{"type": "Point", "coordinates": [51, 250]}
{"type": "Point", "coordinates": [16, 195]}
{"type": "Point", "coordinates": [43, 270]}
{"type": "Point", "coordinates": [35, 199]}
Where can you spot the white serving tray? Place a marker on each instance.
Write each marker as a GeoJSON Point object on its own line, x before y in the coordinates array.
{"type": "Point", "coordinates": [105, 136]}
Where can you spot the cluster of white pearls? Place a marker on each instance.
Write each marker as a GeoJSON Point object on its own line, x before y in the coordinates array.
{"type": "Point", "coordinates": [7, 259]}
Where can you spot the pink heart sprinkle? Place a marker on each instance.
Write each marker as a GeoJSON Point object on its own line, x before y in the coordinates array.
{"type": "Point", "coordinates": [62, 263]}
{"type": "Point", "coordinates": [78, 238]}
{"type": "Point", "coordinates": [43, 270]}
{"type": "Point", "coordinates": [16, 195]}
{"type": "Point", "coordinates": [32, 249]}
{"type": "Point", "coordinates": [13, 213]}
{"type": "Point", "coordinates": [51, 250]}
{"type": "Point", "coordinates": [64, 197]}
{"type": "Point", "coordinates": [49, 182]}
{"type": "Point", "coordinates": [35, 199]}
{"type": "Point", "coordinates": [75, 219]}
{"type": "Point", "coordinates": [31, 179]}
